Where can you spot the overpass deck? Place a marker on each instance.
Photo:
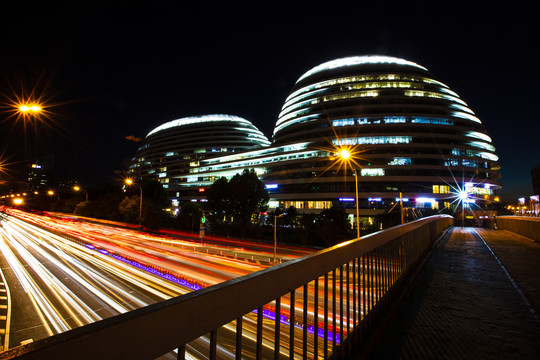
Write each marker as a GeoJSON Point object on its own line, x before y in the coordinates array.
{"type": "Point", "coordinates": [478, 296]}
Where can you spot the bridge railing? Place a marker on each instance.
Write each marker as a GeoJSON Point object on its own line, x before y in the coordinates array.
{"type": "Point", "coordinates": [523, 225]}
{"type": "Point", "coordinates": [317, 306]}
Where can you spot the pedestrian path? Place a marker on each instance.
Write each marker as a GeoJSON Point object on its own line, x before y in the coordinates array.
{"type": "Point", "coordinates": [476, 298]}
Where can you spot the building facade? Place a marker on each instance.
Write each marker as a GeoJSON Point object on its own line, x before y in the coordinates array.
{"type": "Point", "coordinates": [410, 137]}
{"type": "Point", "coordinates": [172, 153]}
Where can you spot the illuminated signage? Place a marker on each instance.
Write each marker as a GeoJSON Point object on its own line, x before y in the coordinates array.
{"type": "Point", "coordinates": [425, 200]}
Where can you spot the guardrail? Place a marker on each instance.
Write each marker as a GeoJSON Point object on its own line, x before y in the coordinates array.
{"type": "Point", "coordinates": [523, 225]}
{"type": "Point", "coordinates": [316, 306]}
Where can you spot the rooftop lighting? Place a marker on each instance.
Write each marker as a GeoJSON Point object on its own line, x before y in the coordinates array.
{"type": "Point", "coordinates": [359, 60]}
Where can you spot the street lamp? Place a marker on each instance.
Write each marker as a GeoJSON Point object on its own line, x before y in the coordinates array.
{"type": "Point", "coordinates": [77, 188]}
{"type": "Point", "coordinates": [275, 234]}
{"type": "Point", "coordinates": [345, 156]}
{"type": "Point", "coordinates": [463, 195]}
{"type": "Point", "coordinates": [31, 108]}
{"type": "Point", "coordinates": [28, 110]}
{"type": "Point", "coordinates": [130, 182]}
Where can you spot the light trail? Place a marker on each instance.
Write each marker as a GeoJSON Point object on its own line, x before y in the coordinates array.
{"type": "Point", "coordinates": [115, 266]}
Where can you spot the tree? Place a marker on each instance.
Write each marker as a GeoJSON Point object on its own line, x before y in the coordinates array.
{"type": "Point", "coordinates": [218, 197]}
{"type": "Point", "coordinates": [189, 216]}
{"type": "Point", "coordinates": [104, 207]}
{"type": "Point", "coordinates": [307, 227]}
{"type": "Point", "coordinates": [154, 202]}
{"type": "Point", "coordinates": [239, 198]}
{"type": "Point", "coordinates": [129, 208]}
{"type": "Point", "coordinates": [290, 217]}
{"type": "Point", "coordinates": [247, 195]}
{"type": "Point", "coordinates": [333, 226]}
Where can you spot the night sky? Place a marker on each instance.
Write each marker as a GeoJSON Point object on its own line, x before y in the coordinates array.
{"type": "Point", "coordinates": [110, 74]}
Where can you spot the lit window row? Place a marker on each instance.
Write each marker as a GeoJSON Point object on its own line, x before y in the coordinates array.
{"type": "Point", "coordinates": [482, 145]}
{"type": "Point", "coordinates": [471, 153]}
{"type": "Point", "coordinates": [373, 140]}
{"type": "Point", "coordinates": [302, 204]}
{"type": "Point", "coordinates": [262, 160]}
{"type": "Point", "coordinates": [339, 96]}
{"type": "Point", "coordinates": [372, 172]}
{"type": "Point", "coordinates": [406, 82]}
{"type": "Point", "coordinates": [464, 162]}
{"type": "Point", "coordinates": [432, 94]}
{"type": "Point", "coordinates": [441, 189]}
{"type": "Point", "coordinates": [393, 120]}
{"type": "Point", "coordinates": [400, 161]}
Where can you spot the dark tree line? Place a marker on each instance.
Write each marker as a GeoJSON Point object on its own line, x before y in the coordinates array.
{"type": "Point", "coordinates": [235, 207]}
{"type": "Point", "coordinates": [237, 199]}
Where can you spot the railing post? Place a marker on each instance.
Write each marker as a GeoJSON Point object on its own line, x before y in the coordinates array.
{"type": "Point", "coordinates": [325, 316]}
{"type": "Point", "coordinates": [277, 329]}
{"type": "Point", "coordinates": [181, 352]}
{"type": "Point", "coordinates": [239, 324]}
{"type": "Point", "coordinates": [213, 345]}
{"type": "Point", "coordinates": [291, 324]}
{"type": "Point", "coordinates": [305, 321]}
{"type": "Point", "coordinates": [316, 320]}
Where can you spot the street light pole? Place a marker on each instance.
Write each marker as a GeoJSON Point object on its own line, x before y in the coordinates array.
{"type": "Point", "coordinates": [131, 182]}
{"type": "Point", "coordinates": [463, 196]}
{"type": "Point", "coordinates": [275, 234]}
{"type": "Point", "coordinates": [77, 188]}
{"type": "Point", "coordinates": [345, 155]}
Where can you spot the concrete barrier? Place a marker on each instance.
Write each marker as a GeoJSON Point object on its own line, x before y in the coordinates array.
{"type": "Point", "coordinates": [522, 225]}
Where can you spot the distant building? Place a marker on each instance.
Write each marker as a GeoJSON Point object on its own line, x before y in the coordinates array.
{"type": "Point", "coordinates": [173, 152]}
{"type": "Point", "coordinates": [37, 177]}
{"type": "Point", "coordinates": [412, 138]}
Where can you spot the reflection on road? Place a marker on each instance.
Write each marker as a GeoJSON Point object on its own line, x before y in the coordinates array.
{"type": "Point", "coordinates": [76, 272]}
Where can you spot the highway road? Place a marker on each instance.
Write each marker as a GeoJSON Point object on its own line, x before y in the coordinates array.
{"type": "Point", "coordinates": [62, 272]}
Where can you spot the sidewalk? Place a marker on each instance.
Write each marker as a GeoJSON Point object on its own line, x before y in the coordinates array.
{"type": "Point", "coordinates": [464, 305]}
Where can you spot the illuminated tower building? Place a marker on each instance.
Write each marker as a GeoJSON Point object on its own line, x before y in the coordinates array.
{"type": "Point", "coordinates": [172, 153]}
{"type": "Point", "coordinates": [410, 134]}
{"type": "Point", "coordinates": [37, 178]}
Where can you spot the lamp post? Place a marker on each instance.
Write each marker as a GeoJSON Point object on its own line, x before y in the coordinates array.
{"type": "Point", "coordinates": [275, 234]}
{"type": "Point", "coordinates": [30, 108]}
{"type": "Point", "coordinates": [346, 155]}
{"type": "Point", "coordinates": [130, 182]}
{"type": "Point", "coordinates": [52, 193]}
{"type": "Point", "coordinates": [77, 188]}
{"type": "Point", "coordinates": [463, 196]}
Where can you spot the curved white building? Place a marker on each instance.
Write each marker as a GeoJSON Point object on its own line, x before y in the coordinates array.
{"type": "Point", "coordinates": [171, 152]}
{"type": "Point", "coordinates": [410, 136]}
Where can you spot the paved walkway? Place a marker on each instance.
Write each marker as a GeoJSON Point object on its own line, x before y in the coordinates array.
{"type": "Point", "coordinates": [478, 297]}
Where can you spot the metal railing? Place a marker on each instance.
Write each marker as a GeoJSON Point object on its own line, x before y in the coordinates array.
{"type": "Point", "coordinates": [523, 225]}
{"type": "Point", "coordinates": [317, 306]}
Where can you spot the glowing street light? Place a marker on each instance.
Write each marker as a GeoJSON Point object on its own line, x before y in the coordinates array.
{"type": "Point", "coordinates": [346, 157]}
{"type": "Point", "coordinates": [30, 108]}
{"type": "Point", "coordinates": [77, 188]}
{"type": "Point", "coordinates": [463, 196]}
{"type": "Point", "coordinates": [130, 182]}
